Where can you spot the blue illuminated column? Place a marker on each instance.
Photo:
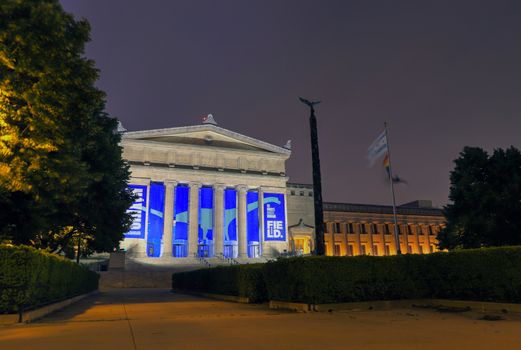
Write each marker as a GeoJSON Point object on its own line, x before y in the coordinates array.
{"type": "Point", "coordinates": [243, 239]}
{"type": "Point", "coordinates": [193, 221]}
{"type": "Point", "coordinates": [181, 222]}
{"type": "Point", "coordinates": [252, 224]}
{"type": "Point", "coordinates": [169, 218]}
{"type": "Point", "coordinates": [205, 229]}
{"type": "Point", "coordinates": [218, 242]}
{"type": "Point", "coordinates": [155, 219]}
{"type": "Point", "coordinates": [261, 220]}
{"type": "Point", "coordinates": [230, 249]}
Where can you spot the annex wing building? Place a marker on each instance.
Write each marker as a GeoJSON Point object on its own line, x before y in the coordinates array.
{"type": "Point", "coordinates": [352, 229]}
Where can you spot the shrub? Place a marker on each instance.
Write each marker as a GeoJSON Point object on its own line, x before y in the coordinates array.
{"type": "Point", "coordinates": [489, 274]}
{"type": "Point", "coordinates": [238, 280]}
{"type": "Point", "coordinates": [31, 277]}
{"type": "Point", "coordinates": [343, 279]}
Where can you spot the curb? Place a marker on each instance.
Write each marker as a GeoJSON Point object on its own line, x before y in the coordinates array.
{"type": "Point", "coordinates": [233, 298]}
{"type": "Point", "coordinates": [479, 306]}
{"type": "Point", "coordinates": [299, 307]}
{"type": "Point", "coordinates": [35, 314]}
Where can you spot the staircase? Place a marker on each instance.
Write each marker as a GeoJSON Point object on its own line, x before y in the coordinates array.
{"type": "Point", "coordinates": [157, 273]}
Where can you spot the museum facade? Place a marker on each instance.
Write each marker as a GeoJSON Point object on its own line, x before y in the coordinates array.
{"type": "Point", "coordinates": [205, 191]}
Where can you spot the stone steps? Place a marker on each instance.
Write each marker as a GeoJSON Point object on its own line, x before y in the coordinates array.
{"type": "Point", "coordinates": [157, 272]}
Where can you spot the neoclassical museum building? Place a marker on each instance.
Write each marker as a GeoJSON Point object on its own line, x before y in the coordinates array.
{"type": "Point", "coordinates": [207, 192]}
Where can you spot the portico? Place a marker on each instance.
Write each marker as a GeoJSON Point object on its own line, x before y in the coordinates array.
{"type": "Point", "coordinates": [205, 191]}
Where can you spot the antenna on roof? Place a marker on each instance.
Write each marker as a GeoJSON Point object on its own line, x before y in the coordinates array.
{"type": "Point", "coordinates": [209, 120]}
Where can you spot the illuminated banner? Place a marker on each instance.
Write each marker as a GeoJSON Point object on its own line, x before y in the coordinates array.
{"type": "Point", "coordinates": [230, 215]}
{"type": "Point", "coordinates": [138, 211]}
{"type": "Point", "coordinates": [180, 229]}
{"type": "Point", "coordinates": [155, 219]}
{"type": "Point", "coordinates": [205, 221]}
{"type": "Point", "coordinates": [274, 217]}
{"type": "Point", "coordinates": [252, 218]}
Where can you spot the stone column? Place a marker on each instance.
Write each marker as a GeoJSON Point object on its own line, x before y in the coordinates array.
{"type": "Point", "coordinates": [417, 240]}
{"type": "Point", "coordinates": [382, 239]}
{"type": "Point", "coordinates": [218, 240]}
{"type": "Point", "coordinates": [358, 241]}
{"type": "Point", "coordinates": [242, 237]}
{"type": "Point", "coordinates": [370, 241]}
{"type": "Point", "coordinates": [405, 235]}
{"type": "Point", "coordinates": [263, 249]}
{"type": "Point", "coordinates": [193, 221]}
{"type": "Point", "coordinates": [169, 218]}
{"type": "Point", "coordinates": [345, 241]}
{"type": "Point", "coordinates": [332, 241]}
{"type": "Point", "coordinates": [394, 243]}
{"type": "Point", "coordinates": [427, 248]}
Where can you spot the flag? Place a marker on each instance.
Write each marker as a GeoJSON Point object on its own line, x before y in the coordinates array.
{"type": "Point", "coordinates": [386, 165]}
{"type": "Point", "coordinates": [377, 149]}
{"type": "Point", "coordinates": [396, 179]}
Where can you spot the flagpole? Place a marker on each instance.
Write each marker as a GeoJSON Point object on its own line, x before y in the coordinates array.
{"type": "Point", "coordinates": [396, 235]}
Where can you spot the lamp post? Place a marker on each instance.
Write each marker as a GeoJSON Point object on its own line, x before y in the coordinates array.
{"type": "Point", "coordinates": [317, 182]}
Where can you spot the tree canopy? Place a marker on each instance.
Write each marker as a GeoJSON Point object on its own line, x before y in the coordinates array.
{"type": "Point", "coordinates": [61, 171]}
{"type": "Point", "coordinates": [486, 200]}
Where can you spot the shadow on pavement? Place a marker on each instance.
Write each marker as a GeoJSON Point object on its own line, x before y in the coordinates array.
{"type": "Point", "coordinates": [116, 298]}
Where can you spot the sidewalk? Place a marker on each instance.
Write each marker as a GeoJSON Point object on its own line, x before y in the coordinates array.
{"type": "Point", "coordinates": [157, 319]}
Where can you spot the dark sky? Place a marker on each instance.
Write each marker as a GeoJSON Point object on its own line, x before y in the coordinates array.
{"type": "Point", "coordinates": [444, 74]}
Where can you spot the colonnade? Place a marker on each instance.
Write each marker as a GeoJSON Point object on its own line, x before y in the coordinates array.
{"type": "Point", "coordinates": [218, 218]}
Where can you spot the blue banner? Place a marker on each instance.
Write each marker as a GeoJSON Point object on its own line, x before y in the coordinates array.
{"type": "Point", "coordinates": [230, 215]}
{"type": "Point", "coordinates": [205, 233]}
{"type": "Point", "coordinates": [252, 223]}
{"type": "Point", "coordinates": [252, 216]}
{"type": "Point", "coordinates": [274, 217]}
{"type": "Point", "coordinates": [180, 230]}
{"type": "Point", "coordinates": [230, 223]}
{"type": "Point", "coordinates": [205, 214]}
{"type": "Point", "coordinates": [155, 219]}
{"type": "Point", "coordinates": [138, 211]}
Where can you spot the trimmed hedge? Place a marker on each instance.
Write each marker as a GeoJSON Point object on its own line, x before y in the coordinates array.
{"type": "Point", "coordinates": [238, 280]}
{"type": "Point", "coordinates": [31, 277]}
{"type": "Point", "coordinates": [319, 280]}
{"type": "Point", "coordinates": [489, 274]}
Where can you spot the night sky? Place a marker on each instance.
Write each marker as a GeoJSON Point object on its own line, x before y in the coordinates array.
{"type": "Point", "coordinates": [443, 74]}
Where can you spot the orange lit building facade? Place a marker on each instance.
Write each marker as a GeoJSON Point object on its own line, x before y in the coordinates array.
{"type": "Point", "coordinates": [362, 229]}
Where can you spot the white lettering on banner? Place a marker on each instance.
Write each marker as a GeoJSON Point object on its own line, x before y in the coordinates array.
{"type": "Point", "coordinates": [274, 228]}
{"type": "Point", "coordinates": [271, 212]}
{"type": "Point", "coordinates": [136, 209]}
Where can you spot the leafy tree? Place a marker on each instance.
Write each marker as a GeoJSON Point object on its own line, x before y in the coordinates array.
{"type": "Point", "coordinates": [54, 134]}
{"type": "Point", "coordinates": [486, 195]}
{"type": "Point", "coordinates": [102, 216]}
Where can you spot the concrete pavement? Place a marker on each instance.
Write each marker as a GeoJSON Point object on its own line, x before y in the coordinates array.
{"type": "Point", "coordinates": [157, 319]}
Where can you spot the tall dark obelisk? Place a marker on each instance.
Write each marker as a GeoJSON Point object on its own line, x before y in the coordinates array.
{"type": "Point", "coordinates": [317, 182]}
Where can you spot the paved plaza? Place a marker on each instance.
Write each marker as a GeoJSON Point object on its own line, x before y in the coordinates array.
{"type": "Point", "coordinates": [157, 319]}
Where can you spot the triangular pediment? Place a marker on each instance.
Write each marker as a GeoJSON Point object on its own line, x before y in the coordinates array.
{"type": "Point", "coordinates": [205, 135]}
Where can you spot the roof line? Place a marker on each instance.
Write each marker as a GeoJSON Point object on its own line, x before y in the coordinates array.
{"type": "Point", "coordinates": [247, 139]}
